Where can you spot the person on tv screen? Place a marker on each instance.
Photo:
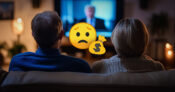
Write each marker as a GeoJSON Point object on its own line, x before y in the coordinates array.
{"type": "Point", "coordinates": [47, 31]}
{"type": "Point", "coordinates": [91, 19]}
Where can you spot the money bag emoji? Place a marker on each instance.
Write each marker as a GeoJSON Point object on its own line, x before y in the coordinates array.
{"type": "Point", "coordinates": [97, 47]}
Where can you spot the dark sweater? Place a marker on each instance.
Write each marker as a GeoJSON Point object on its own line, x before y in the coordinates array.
{"type": "Point", "coordinates": [47, 60]}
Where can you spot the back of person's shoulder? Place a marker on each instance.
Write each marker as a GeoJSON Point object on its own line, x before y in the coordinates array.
{"type": "Point", "coordinates": [148, 59]}
{"type": "Point", "coordinates": [24, 54]}
{"type": "Point", "coordinates": [111, 60]}
{"type": "Point", "coordinates": [73, 59]}
{"type": "Point", "coordinates": [158, 64]}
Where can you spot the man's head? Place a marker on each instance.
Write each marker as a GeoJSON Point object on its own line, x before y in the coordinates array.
{"type": "Point", "coordinates": [89, 11]}
{"type": "Point", "coordinates": [47, 29]}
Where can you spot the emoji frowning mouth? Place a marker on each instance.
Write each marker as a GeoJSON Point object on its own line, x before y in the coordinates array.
{"type": "Point", "coordinates": [82, 41]}
{"type": "Point", "coordinates": [81, 35]}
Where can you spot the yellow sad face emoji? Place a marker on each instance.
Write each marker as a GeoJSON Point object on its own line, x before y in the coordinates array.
{"type": "Point", "coordinates": [82, 35]}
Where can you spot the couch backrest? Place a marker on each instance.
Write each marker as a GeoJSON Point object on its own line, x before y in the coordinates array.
{"type": "Point", "coordinates": [88, 81]}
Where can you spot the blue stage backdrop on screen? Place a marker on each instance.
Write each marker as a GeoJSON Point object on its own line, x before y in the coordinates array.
{"type": "Point", "coordinates": [104, 20]}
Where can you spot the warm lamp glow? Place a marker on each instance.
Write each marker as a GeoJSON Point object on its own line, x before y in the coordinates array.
{"type": "Point", "coordinates": [18, 26]}
{"type": "Point", "coordinates": [19, 20]}
{"type": "Point", "coordinates": [170, 52]}
{"type": "Point", "coordinates": [168, 46]}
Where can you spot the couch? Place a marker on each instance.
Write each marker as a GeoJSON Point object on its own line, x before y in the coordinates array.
{"type": "Point", "coordinates": [37, 81]}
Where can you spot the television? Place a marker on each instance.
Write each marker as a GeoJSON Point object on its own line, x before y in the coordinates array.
{"type": "Point", "coordinates": [73, 11]}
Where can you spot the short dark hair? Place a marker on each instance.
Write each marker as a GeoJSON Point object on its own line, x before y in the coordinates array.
{"type": "Point", "coordinates": [46, 27]}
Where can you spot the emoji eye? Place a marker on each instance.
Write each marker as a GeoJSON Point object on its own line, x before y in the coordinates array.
{"type": "Point", "coordinates": [78, 34]}
{"type": "Point", "coordinates": [87, 33]}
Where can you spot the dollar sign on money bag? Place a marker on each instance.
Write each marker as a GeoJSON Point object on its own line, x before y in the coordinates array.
{"type": "Point", "coordinates": [97, 47]}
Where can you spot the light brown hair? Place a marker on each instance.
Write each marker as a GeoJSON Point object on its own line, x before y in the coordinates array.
{"type": "Point", "coordinates": [130, 38]}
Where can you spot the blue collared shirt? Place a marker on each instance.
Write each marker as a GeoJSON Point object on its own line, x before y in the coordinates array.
{"type": "Point", "coordinates": [47, 60]}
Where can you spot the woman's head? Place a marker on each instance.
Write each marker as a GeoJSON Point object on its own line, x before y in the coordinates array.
{"type": "Point", "coordinates": [130, 37]}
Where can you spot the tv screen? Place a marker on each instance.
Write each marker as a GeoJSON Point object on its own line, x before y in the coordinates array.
{"type": "Point", "coordinates": [101, 14]}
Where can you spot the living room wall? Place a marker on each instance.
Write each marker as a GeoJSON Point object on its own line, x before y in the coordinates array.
{"type": "Point", "coordinates": [24, 10]}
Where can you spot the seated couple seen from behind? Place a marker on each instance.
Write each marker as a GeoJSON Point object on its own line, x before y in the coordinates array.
{"type": "Point", "coordinates": [130, 38]}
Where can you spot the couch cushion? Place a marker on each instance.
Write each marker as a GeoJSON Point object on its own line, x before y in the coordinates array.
{"type": "Point", "coordinates": [3, 75]}
{"type": "Point", "coordinates": [161, 78]}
